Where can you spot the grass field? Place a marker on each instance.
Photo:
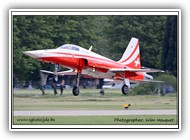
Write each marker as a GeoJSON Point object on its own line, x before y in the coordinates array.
{"type": "Point", "coordinates": [90, 99]}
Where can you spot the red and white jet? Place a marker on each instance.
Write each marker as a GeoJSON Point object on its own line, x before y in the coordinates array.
{"type": "Point", "coordinates": [84, 62]}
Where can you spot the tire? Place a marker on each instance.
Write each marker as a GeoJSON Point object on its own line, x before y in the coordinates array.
{"type": "Point", "coordinates": [76, 91]}
{"type": "Point", "coordinates": [125, 89]}
{"type": "Point", "coordinates": [102, 92]}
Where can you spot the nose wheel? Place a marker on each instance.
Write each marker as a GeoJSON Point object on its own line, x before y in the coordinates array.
{"type": "Point", "coordinates": [76, 91]}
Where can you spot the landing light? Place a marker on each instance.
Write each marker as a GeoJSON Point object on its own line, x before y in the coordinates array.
{"type": "Point", "coordinates": [93, 69]}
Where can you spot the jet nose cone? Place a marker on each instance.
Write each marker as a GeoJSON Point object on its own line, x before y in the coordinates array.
{"type": "Point", "coordinates": [33, 54]}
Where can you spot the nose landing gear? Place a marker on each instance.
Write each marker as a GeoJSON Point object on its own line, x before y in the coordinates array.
{"type": "Point", "coordinates": [55, 77]}
{"type": "Point", "coordinates": [76, 91]}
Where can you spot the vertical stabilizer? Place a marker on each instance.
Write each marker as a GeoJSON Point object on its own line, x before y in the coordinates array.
{"type": "Point", "coordinates": [131, 56]}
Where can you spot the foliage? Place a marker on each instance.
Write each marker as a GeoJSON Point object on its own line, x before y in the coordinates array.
{"type": "Point", "coordinates": [148, 29]}
{"type": "Point", "coordinates": [169, 51]}
{"type": "Point", "coordinates": [168, 80]}
{"type": "Point", "coordinates": [149, 88]}
{"type": "Point", "coordinates": [143, 89]}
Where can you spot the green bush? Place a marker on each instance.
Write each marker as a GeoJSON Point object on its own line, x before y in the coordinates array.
{"type": "Point", "coordinates": [143, 89]}
{"type": "Point", "coordinates": [149, 88]}
{"type": "Point", "coordinates": [168, 80]}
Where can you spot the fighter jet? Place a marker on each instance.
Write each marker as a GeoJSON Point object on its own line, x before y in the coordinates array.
{"type": "Point", "coordinates": [81, 61]}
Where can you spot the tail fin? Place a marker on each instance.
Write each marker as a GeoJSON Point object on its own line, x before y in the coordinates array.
{"type": "Point", "coordinates": [131, 56]}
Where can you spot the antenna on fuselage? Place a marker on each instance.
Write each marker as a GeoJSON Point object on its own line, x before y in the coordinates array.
{"type": "Point", "coordinates": [90, 48]}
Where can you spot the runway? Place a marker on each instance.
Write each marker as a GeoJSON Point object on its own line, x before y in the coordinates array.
{"type": "Point", "coordinates": [93, 112]}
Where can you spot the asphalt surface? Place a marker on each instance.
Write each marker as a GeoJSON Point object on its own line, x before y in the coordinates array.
{"type": "Point", "coordinates": [93, 112]}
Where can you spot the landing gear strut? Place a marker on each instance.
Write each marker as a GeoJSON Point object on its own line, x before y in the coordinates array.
{"type": "Point", "coordinates": [55, 77]}
{"type": "Point", "coordinates": [76, 90]}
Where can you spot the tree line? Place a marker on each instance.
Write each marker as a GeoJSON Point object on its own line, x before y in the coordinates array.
{"type": "Point", "coordinates": [109, 36]}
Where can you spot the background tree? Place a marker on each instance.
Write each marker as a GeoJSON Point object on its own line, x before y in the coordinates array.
{"type": "Point", "coordinates": [148, 29]}
{"type": "Point", "coordinates": [41, 32]}
{"type": "Point", "coordinates": [169, 50]}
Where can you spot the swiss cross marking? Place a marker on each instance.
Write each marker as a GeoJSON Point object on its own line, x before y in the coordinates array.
{"type": "Point", "coordinates": [137, 62]}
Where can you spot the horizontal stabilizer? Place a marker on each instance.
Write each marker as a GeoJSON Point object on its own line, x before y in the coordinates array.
{"type": "Point", "coordinates": [68, 72]}
{"type": "Point", "coordinates": [135, 70]}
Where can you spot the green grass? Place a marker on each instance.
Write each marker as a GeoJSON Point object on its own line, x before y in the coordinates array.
{"type": "Point", "coordinates": [87, 120]}
{"type": "Point", "coordinates": [88, 99]}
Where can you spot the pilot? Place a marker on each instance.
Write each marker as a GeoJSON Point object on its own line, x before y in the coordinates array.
{"type": "Point", "coordinates": [62, 86]}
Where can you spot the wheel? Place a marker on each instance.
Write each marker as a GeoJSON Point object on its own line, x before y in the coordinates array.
{"type": "Point", "coordinates": [102, 92]}
{"type": "Point", "coordinates": [125, 89]}
{"type": "Point", "coordinates": [76, 91]}
{"type": "Point", "coordinates": [55, 78]}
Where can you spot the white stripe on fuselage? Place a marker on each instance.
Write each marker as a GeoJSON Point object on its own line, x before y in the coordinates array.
{"type": "Point", "coordinates": [62, 53]}
{"type": "Point", "coordinates": [77, 54]}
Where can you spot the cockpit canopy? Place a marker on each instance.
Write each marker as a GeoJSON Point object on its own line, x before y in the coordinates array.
{"type": "Point", "coordinates": [69, 47]}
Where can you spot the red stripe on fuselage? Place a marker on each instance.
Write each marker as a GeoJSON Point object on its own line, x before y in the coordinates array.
{"type": "Point", "coordinates": [64, 61]}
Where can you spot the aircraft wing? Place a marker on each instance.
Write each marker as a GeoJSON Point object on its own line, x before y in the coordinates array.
{"type": "Point", "coordinates": [135, 70]}
{"type": "Point", "coordinates": [67, 72]}
{"type": "Point", "coordinates": [146, 81]}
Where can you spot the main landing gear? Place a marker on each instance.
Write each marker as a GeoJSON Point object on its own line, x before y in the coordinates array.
{"type": "Point", "coordinates": [76, 90]}
{"type": "Point", "coordinates": [126, 86]}
{"type": "Point", "coordinates": [125, 89]}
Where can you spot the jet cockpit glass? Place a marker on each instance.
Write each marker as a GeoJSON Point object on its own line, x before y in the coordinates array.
{"type": "Point", "coordinates": [69, 47]}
